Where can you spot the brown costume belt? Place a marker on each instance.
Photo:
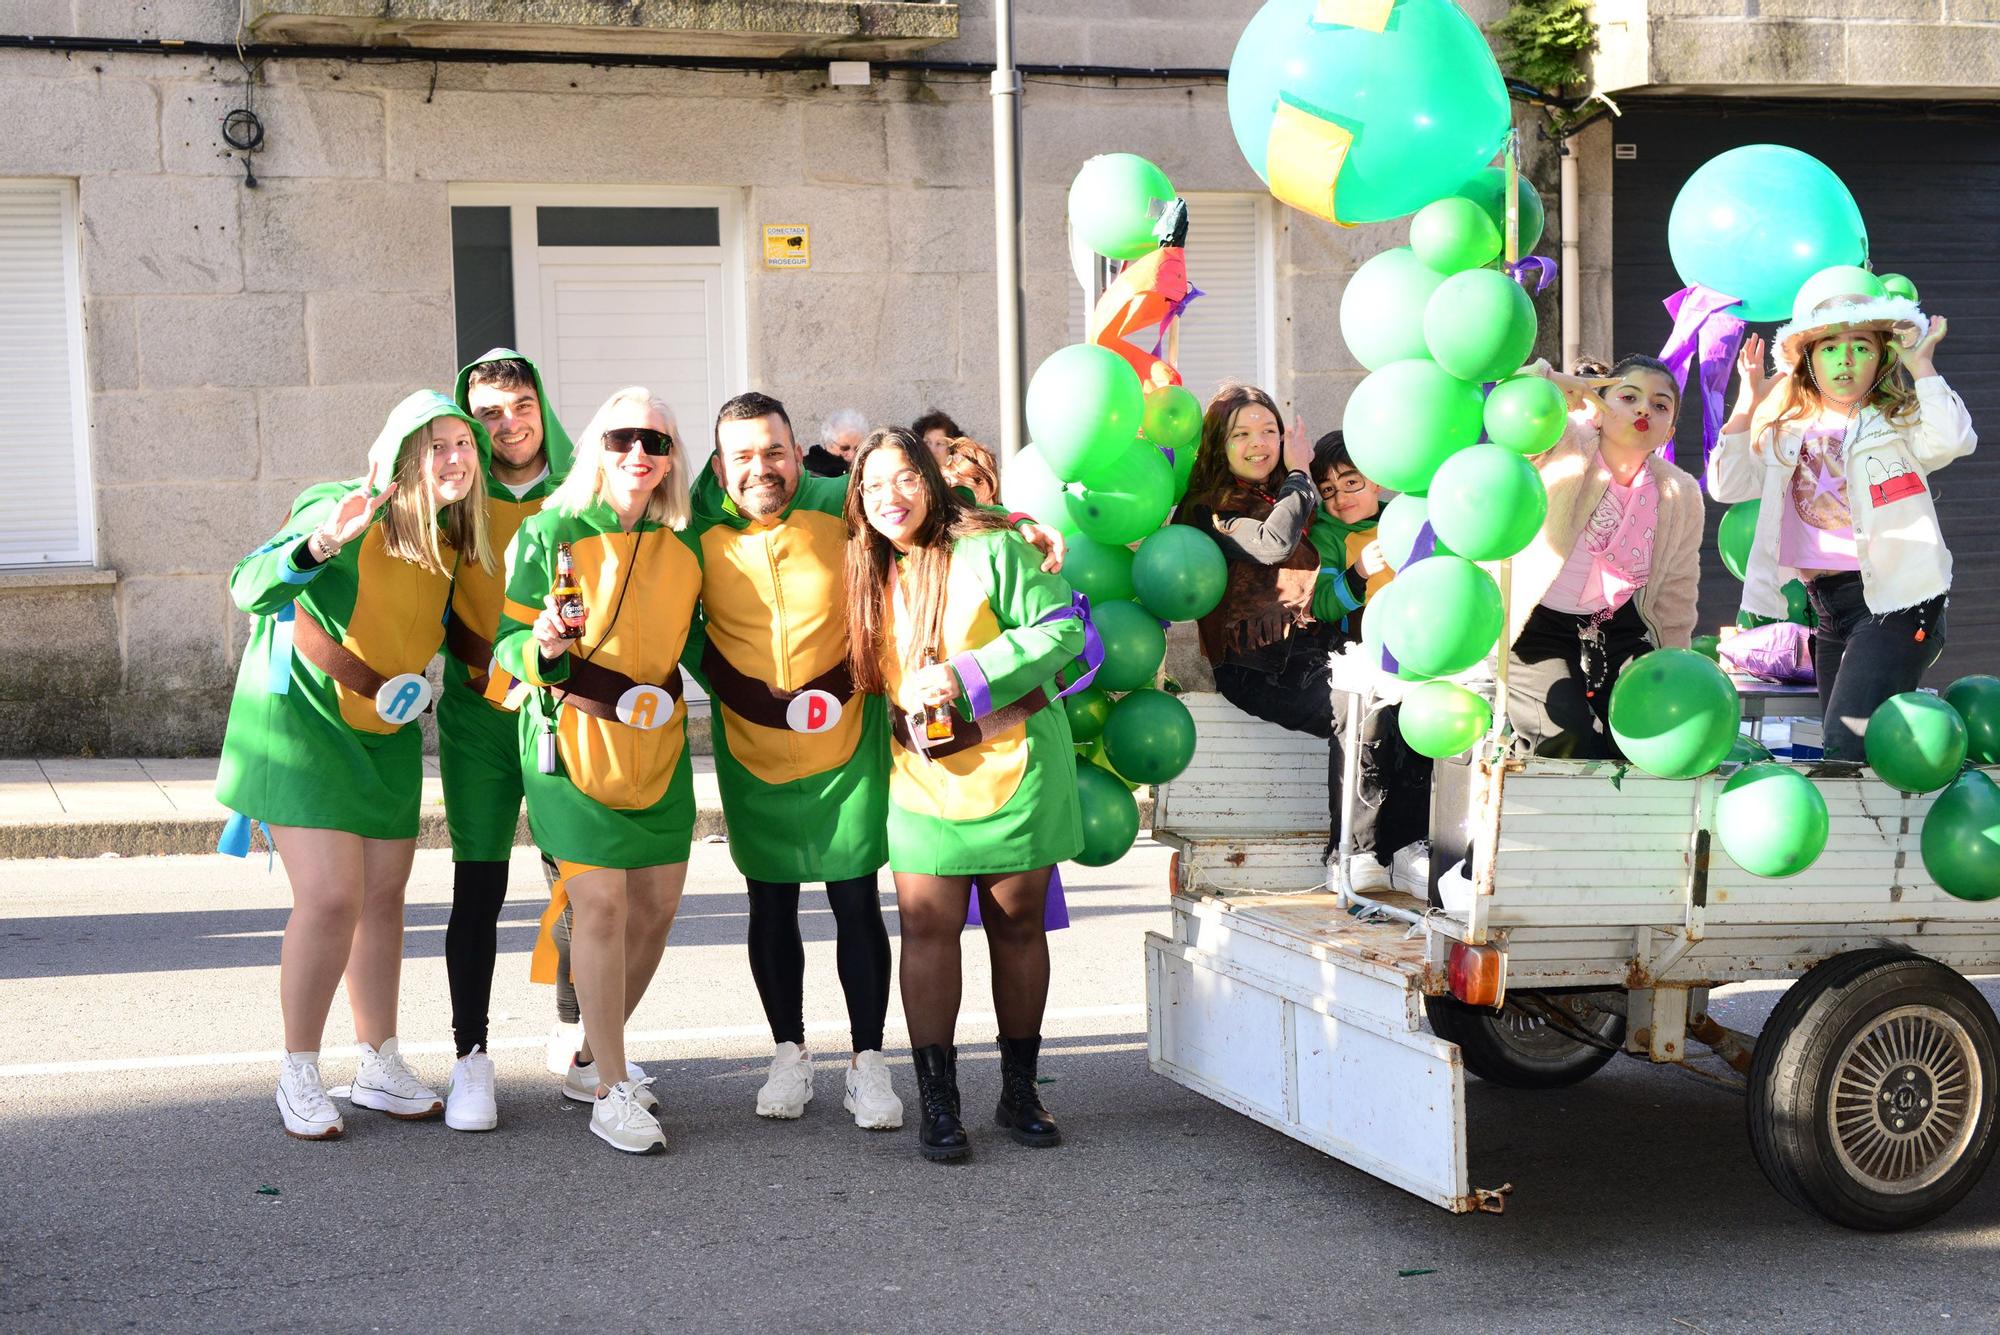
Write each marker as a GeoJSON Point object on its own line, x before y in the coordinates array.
{"type": "Point", "coordinates": [968, 733]}
{"type": "Point", "coordinates": [333, 658]}
{"type": "Point", "coordinates": [760, 702]}
{"type": "Point", "coordinates": [469, 648]}
{"type": "Point", "coordinates": [596, 689]}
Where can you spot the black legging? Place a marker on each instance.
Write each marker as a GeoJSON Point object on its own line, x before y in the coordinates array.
{"type": "Point", "coordinates": [472, 944]}
{"type": "Point", "coordinates": [778, 958]}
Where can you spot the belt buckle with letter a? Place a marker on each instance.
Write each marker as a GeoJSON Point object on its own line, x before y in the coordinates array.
{"type": "Point", "coordinates": [645, 707]}
{"type": "Point", "coordinates": [402, 698]}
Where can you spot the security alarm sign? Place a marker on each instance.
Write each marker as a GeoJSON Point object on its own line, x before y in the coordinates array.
{"type": "Point", "coordinates": [787, 246]}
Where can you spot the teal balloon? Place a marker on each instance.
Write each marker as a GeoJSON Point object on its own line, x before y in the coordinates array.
{"type": "Point", "coordinates": [1961, 838]}
{"type": "Point", "coordinates": [1444, 616]}
{"type": "Point", "coordinates": [1382, 308]}
{"type": "Point", "coordinates": [1100, 571]}
{"type": "Point", "coordinates": [1480, 325]}
{"type": "Point", "coordinates": [1110, 816]}
{"type": "Point", "coordinates": [1088, 710]}
{"type": "Point", "coordinates": [1179, 573]}
{"type": "Point", "coordinates": [1423, 99]}
{"type": "Point", "coordinates": [1916, 742]}
{"type": "Point", "coordinates": [1488, 189]}
{"type": "Point", "coordinates": [1487, 503]}
{"type": "Point", "coordinates": [1116, 201]}
{"type": "Point", "coordinates": [1173, 419]}
{"type": "Point", "coordinates": [1526, 413]}
{"type": "Point", "coordinates": [1150, 737]}
{"type": "Point", "coordinates": [1675, 714]}
{"type": "Point", "coordinates": [1441, 718]}
{"type": "Point", "coordinates": [1406, 419]}
{"type": "Point", "coordinates": [1772, 820]}
{"type": "Point", "coordinates": [1737, 535]}
{"type": "Point", "coordinates": [1028, 485]}
{"type": "Point", "coordinates": [1126, 498]}
{"type": "Point", "coordinates": [1758, 221]}
{"type": "Point", "coordinates": [1134, 645]}
{"type": "Point", "coordinates": [1977, 700]}
{"type": "Point", "coordinates": [1453, 234]}
{"type": "Point", "coordinates": [1084, 409]}
{"type": "Point", "coordinates": [1400, 528]}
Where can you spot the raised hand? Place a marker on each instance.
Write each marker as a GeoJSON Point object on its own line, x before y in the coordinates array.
{"type": "Point", "coordinates": [1298, 446]}
{"type": "Point", "coordinates": [1918, 359]}
{"type": "Point", "coordinates": [352, 516]}
{"type": "Point", "coordinates": [1049, 543]}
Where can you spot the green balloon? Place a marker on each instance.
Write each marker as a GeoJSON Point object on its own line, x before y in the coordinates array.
{"type": "Point", "coordinates": [1675, 714]}
{"type": "Point", "coordinates": [1798, 604]}
{"type": "Point", "coordinates": [1708, 646]}
{"type": "Point", "coordinates": [1093, 753]}
{"type": "Point", "coordinates": [1487, 503]}
{"type": "Point", "coordinates": [1150, 737]}
{"type": "Point", "coordinates": [1372, 624]}
{"type": "Point", "coordinates": [1173, 419]}
{"type": "Point", "coordinates": [1179, 573]}
{"type": "Point", "coordinates": [1400, 526]}
{"type": "Point", "coordinates": [1127, 498]}
{"type": "Point", "coordinates": [1110, 816]}
{"type": "Point", "coordinates": [1087, 710]}
{"type": "Point", "coordinates": [1488, 189]}
{"type": "Point", "coordinates": [1444, 616]}
{"type": "Point", "coordinates": [1183, 463]}
{"type": "Point", "coordinates": [1114, 205]}
{"type": "Point", "coordinates": [1453, 234]}
{"type": "Point", "coordinates": [1441, 718]}
{"type": "Point", "coordinates": [1895, 285]}
{"type": "Point", "coordinates": [1099, 571]}
{"type": "Point", "coordinates": [1027, 485]}
{"type": "Point", "coordinates": [1480, 325]}
{"type": "Point", "coordinates": [1772, 820]}
{"type": "Point", "coordinates": [1406, 419]}
{"type": "Point", "coordinates": [1526, 414]}
{"type": "Point", "coordinates": [1747, 750]}
{"type": "Point", "coordinates": [1084, 409]}
{"type": "Point", "coordinates": [1382, 308]}
{"type": "Point", "coordinates": [1737, 534]}
{"type": "Point", "coordinates": [1961, 838]}
{"type": "Point", "coordinates": [1977, 700]}
{"type": "Point", "coordinates": [1134, 645]}
{"type": "Point", "coordinates": [1916, 742]}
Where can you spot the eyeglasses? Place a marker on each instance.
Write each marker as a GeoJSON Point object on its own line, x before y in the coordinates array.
{"type": "Point", "coordinates": [1352, 486]}
{"type": "Point", "coordinates": [906, 483]}
{"type": "Point", "coordinates": [621, 439]}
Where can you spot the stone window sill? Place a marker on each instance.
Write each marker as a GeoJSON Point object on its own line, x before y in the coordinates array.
{"type": "Point", "coordinates": [53, 577]}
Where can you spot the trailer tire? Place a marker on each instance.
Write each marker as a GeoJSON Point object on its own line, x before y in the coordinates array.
{"type": "Point", "coordinates": [1513, 1048]}
{"type": "Point", "coordinates": [1875, 1088]}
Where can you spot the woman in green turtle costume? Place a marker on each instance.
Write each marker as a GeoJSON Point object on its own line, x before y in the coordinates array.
{"type": "Point", "coordinates": [604, 738]}
{"type": "Point", "coordinates": [957, 624]}
{"type": "Point", "coordinates": [349, 599]}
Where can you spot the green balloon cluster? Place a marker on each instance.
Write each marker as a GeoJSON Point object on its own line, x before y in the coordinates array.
{"type": "Point", "coordinates": [1099, 571]}
{"type": "Point", "coordinates": [1126, 497]}
{"type": "Point", "coordinates": [1675, 714]}
{"type": "Point", "coordinates": [1088, 710]}
{"type": "Point", "coordinates": [1084, 410]}
{"type": "Point", "coordinates": [1439, 616]}
{"type": "Point", "coordinates": [1179, 573]}
{"type": "Point", "coordinates": [1149, 737]}
{"type": "Point", "coordinates": [1382, 308]}
{"type": "Point", "coordinates": [1961, 838]}
{"type": "Point", "coordinates": [1737, 535]}
{"type": "Point", "coordinates": [1487, 503]}
{"type": "Point", "coordinates": [1441, 718]}
{"type": "Point", "coordinates": [1526, 413]}
{"type": "Point", "coordinates": [1134, 645]}
{"type": "Point", "coordinates": [1772, 820]}
{"type": "Point", "coordinates": [1115, 203]}
{"type": "Point", "coordinates": [1480, 325]}
{"type": "Point", "coordinates": [1110, 816]}
{"type": "Point", "coordinates": [1977, 700]}
{"type": "Point", "coordinates": [1916, 742]}
{"type": "Point", "coordinates": [1406, 419]}
{"type": "Point", "coordinates": [1454, 234]}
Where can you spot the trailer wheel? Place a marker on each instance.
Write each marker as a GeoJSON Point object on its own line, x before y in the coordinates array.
{"type": "Point", "coordinates": [1520, 1050]}
{"type": "Point", "coordinates": [1873, 1096]}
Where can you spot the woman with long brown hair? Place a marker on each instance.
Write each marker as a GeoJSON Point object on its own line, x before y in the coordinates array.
{"type": "Point", "coordinates": [953, 619]}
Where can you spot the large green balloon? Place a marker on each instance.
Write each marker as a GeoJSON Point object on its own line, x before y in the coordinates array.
{"type": "Point", "coordinates": [1084, 409]}
{"type": "Point", "coordinates": [1179, 573]}
{"type": "Point", "coordinates": [1452, 235]}
{"type": "Point", "coordinates": [1961, 838]}
{"type": "Point", "coordinates": [1737, 535]}
{"type": "Point", "coordinates": [1099, 571]}
{"type": "Point", "coordinates": [1526, 414]}
{"type": "Point", "coordinates": [1406, 419]}
{"type": "Point", "coordinates": [1444, 617]}
{"type": "Point", "coordinates": [1173, 419]}
{"type": "Point", "coordinates": [1441, 718]}
{"type": "Point", "coordinates": [1916, 742]}
{"type": "Point", "coordinates": [1382, 308]}
{"type": "Point", "coordinates": [1110, 816]}
{"type": "Point", "coordinates": [1488, 189]}
{"type": "Point", "coordinates": [1127, 498]}
{"type": "Point", "coordinates": [1400, 528]}
{"type": "Point", "coordinates": [1977, 700]}
{"type": "Point", "coordinates": [1480, 325]}
{"type": "Point", "coordinates": [1088, 710]}
{"type": "Point", "coordinates": [1134, 645]}
{"type": "Point", "coordinates": [1380, 611]}
{"type": "Point", "coordinates": [1027, 485]}
{"type": "Point", "coordinates": [1675, 714]}
{"type": "Point", "coordinates": [1115, 203]}
{"type": "Point", "coordinates": [1487, 503]}
{"type": "Point", "coordinates": [1772, 820]}
{"type": "Point", "coordinates": [1150, 737]}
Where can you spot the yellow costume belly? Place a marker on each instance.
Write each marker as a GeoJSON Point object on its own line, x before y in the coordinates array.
{"type": "Point", "coordinates": [396, 626]}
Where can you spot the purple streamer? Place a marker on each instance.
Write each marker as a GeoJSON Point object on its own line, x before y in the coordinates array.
{"type": "Point", "coordinates": [1174, 312]}
{"type": "Point", "coordinates": [1541, 266]}
{"type": "Point", "coordinates": [978, 690]}
{"type": "Point", "coordinates": [1055, 909]}
{"type": "Point", "coordinates": [1093, 644]}
{"type": "Point", "coordinates": [1704, 330]}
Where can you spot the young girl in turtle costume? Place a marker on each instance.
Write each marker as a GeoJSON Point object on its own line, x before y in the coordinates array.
{"type": "Point", "coordinates": [349, 599]}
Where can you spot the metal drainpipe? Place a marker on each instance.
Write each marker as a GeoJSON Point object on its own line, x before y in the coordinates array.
{"type": "Point", "coordinates": [1007, 225]}
{"type": "Point", "coordinates": [1572, 276]}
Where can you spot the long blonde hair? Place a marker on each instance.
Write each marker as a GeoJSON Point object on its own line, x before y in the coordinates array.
{"type": "Point", "coordinates": [1895, 393]}
{"type": "Point", "coordinates": [667, 505]}
{"type": "Point", "coordinates": [411, 528]}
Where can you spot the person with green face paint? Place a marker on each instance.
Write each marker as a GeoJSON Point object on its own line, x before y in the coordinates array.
{"type": "Point", "coordinates": [1839, 447]}
{"type": "Point", "coordinates": [349, 601]}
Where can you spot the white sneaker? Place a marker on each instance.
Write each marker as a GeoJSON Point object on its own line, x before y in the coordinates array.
{"type": "Point", "coordinates": [385, 1083]}
{"type": "Point", "coordinates": [1410, 869]}
{"type": "Point", "coordinates": [1365, 875]}
{"type": "Point", "coordinates": [870, 1096]}
{"type": "Point", "coordinates": [789, 1087]}
{"type": "Point", "coordinates": [580, 1082]}
{"type": "Point", "coordinates": [622, 1119]}
{"type": "Point", "coordinates": [564, 1040]}
{"type": "Point", "coordinates": [309, 1114]}
{"type": "Point", "coordinates": [468, 1101]}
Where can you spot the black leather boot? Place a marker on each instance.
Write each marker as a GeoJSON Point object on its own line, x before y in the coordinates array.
{"type": "Point", "coordinates": [940, 1135]}
{"type": "Point", "coordinates": [1021, 1110]}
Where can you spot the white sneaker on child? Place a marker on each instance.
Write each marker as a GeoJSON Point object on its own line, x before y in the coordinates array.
{"type": "Point", "coordinates": [385, 1083]}
{"type": "Point", "coordinates": [309, 1114]}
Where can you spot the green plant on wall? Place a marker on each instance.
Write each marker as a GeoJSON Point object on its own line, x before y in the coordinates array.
{"type": "Point", "coordinates": [1548, 43]}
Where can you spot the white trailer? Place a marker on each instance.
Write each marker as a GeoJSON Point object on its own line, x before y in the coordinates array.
{"type": "Point", "coordinates": [1595, 912]}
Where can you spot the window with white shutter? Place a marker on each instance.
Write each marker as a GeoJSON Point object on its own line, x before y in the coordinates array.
{"type": "Point", "coordinates": [44, 444]}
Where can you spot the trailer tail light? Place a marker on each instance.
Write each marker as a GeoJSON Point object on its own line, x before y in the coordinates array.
{"type": "Point", "coordinates": [1473, 973]}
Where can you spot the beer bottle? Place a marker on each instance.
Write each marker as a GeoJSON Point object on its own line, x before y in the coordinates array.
{"type": "Point", "coordinates": [937, 718]}
{"type": "Point", "coordinates": [568, 593]}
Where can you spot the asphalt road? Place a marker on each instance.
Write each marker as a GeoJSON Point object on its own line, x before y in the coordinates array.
{"type": "Point", "coordinates": [138, 1136]}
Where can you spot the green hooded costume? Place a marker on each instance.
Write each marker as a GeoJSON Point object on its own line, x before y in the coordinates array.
{"type": "Point", "coordinates": [314, 747]}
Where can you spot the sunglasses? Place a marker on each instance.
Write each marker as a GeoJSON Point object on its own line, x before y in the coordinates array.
{"type": "Point", "coordinates": [620, 440]}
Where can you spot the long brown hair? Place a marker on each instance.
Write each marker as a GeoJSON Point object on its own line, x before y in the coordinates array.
{"type": "Point", "coordinates": [870, 555]}
{"type": "Point", "coordinates": [1211, 479]}
{"type": "Point", "coordinates": [1895, 393]}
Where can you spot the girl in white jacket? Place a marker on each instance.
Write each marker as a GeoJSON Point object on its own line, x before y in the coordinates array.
{"type": "Point", "coordinates": [1842, 466]}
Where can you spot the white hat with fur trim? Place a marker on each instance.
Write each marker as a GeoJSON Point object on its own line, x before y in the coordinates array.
{"type": "Point", "coordinates": [1844, 298]}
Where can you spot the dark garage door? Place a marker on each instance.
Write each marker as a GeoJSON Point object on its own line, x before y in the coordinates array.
{"type": "Point", "coordinates": [1928, 183]}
